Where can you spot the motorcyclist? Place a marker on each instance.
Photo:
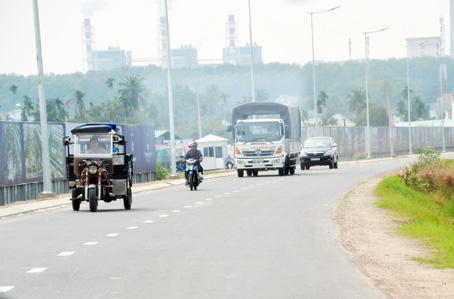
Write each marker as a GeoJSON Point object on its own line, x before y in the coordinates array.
{"type": "Point", "coordinates": [194, 153]}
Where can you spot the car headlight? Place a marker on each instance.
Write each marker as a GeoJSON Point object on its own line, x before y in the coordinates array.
{"type": "Point", "coordinates": [303, 154]}
{"type": "Point", "coordinates": [329, 153]}
{"type": "Point", "coordinates": [93, 169]}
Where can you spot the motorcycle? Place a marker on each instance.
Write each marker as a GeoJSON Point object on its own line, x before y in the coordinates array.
{"type": "Point", "coordinates": [192, 174]}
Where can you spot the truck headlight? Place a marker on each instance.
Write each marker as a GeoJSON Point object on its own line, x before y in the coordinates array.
{"type": "Point", "coordinates": [240, 161]}
{"type": "Point", "coordinates": [92, 169]}
{"type": "Point", "coordinates": [275, 160]}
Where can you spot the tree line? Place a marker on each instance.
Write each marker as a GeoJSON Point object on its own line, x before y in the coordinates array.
{"type": "Point", "coordinates": [139, 94]}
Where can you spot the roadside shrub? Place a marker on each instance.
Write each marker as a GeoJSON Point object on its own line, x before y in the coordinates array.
{"type": "Point", "coordinates": [360, 156]}
{"type": "Point", "coordinates": [161, 172]}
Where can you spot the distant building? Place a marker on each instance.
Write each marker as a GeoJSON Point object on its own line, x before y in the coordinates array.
{"type": "Point", "coordinates": [242, 55]}
{"type": "Point", "coordinates": [112, 58]}
{"type": "Point", "coordinates": [424, 46]}
{"type": "Point", "coordinates": [184, 57]}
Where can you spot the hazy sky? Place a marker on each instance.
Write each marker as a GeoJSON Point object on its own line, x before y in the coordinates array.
{"type": "Point", "coordinates": [281, 27]}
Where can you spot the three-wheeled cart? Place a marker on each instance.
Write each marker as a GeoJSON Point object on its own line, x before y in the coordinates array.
{"type": "Point", "coordinates": [104, 173]}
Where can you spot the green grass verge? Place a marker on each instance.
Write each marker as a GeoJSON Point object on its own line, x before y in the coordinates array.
{"type": "Point", "coordinates": [425, 219]}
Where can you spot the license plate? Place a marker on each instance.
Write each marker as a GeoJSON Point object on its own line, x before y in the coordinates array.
{"type": "Point", "coordinates": [258, 161]}
{"type": "Point", "coordinates": [315, 159]}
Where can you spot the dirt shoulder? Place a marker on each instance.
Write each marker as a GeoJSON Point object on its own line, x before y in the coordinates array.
{"type": "Point", "coordinates": [369, 234]}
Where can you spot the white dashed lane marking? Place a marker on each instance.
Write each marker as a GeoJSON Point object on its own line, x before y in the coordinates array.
{"type": "Point", "coordinates": [163, 216]}
{"type": "Point", "coordinates": [176, 211]}
{"type": "Point", "coordinates": [4, 289]}
{"type": "Point", "coordinates": [90, 243]}
{"type": "Point", "coordinates": [132, 227]}
{"type": "Point", "coordinates": [218, 196]}
{"type": "Point", "coordinates": [187, 207]}
{"type": "Point", "coordinates": [37, 270]}
{"type": "Point", "coordinates": [148, 221]}
{"type": "Point", "coordinates": [111, 235]}
{"type": "Point", "coordinates": [66, 253]}
{"type": "Point", "coordinates": [208, 199]}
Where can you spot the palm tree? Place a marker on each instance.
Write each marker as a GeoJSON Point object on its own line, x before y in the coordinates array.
{"type": "Point", "coordinates": [357, 101]}
{"type": "Point", "coordinates": [110, 84]}
{"type": "Point", "coordinates": [132, 92]}
{"type": "Point", "coordinates": [27, 108]}
{"type": "Point", "coordinates": [404, 92]}
{"type": "Point", "coordinates": [321, 101]}
{"type": "Point", "coordinates": [13, 89]}
{"type": "Point", "coordinates": [78, 102]}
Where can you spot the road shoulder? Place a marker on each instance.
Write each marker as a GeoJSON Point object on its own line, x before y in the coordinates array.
{"type": "Point", "coordinates": [369, 234]}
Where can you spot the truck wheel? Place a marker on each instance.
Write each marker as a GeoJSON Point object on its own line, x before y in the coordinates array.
{"type": "Point", "coordinates": [255, 172]}
{"type": "Point", "coordinates": [308, 167]}
{"type": "Point", "coordinates": [92, 200]}
{"type": "Point", "coordinates": [281, 171]}
{"type": "Point", "coordinates": [249, 172]}
{"type": "Point", "coordinates": [286, 168]}
{"type": "Point", "coordinates": [240, 173]}
{"type": "Point", "coordinates": [302, 166]}
{"type": "Point", "coordinates": [292, 170]}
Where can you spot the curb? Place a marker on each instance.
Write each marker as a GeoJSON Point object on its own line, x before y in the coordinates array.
{"type": "Point", "coordinates": [34, 205]}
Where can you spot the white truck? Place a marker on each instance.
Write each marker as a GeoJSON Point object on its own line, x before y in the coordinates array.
{"type": "Point", "coordinates": [267, 136]}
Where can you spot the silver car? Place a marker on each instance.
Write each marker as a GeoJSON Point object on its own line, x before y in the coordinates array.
{"type": "Point", "coordinates": [318, 151]}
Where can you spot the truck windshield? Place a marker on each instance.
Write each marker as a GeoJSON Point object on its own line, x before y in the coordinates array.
{"type": "Point", "coordinates": [258, 132]}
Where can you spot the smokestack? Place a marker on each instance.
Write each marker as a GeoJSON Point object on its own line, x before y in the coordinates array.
{"type": "Point", "coordinates": [232, 42]}
{"type": "Point", "coordinates": [162, 42]}
{"type": "Point", "coordinates": [89, 46]}
{"type": "Point", "coordinates": [451, 27]}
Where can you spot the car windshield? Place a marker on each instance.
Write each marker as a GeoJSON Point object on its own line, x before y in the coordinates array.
{"type": "Point", "coordinates": [93, 145]}
{"type": "Point", "coordinates": [317, 143]}
{"type": "Point", "coordinates": [258, 132]}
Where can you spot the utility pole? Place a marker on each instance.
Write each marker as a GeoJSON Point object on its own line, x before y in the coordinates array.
{"type": "Point", "coordinates": [199, 118]}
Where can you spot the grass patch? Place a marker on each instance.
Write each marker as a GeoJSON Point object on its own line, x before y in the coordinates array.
{"type": "Point", "coordinates": [426, 218]}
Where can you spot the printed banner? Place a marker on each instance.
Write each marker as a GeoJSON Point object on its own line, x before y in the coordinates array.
{"type": "Point", "coordinates": [148, 146]}
{"type": "Point", "coordinates": [132, 135]}
{"type": "Point", "coordinates": [13, 160]}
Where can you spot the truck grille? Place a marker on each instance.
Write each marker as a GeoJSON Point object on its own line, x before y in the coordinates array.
{"type": "Point", "coordinates": [258, 153]}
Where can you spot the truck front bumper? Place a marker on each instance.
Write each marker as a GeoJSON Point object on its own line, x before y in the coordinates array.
{"type": "Point", "coordinates": [259, 163]}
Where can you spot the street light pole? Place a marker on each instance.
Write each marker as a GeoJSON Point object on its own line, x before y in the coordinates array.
{"type": "Point", "coordinates": [47, 183]}
{"type": "Point", "coordinates": [368, 145]}
{"type": "Point", "coordinates": [408, 101]}
{"type": "Point", "coordinates": [252, 57]}
{"type": "Point", "coordinates": [173, 165]}
{"type": "Point", "coordinates": [313, 65]}
{"type": "Point", "coordinates": [441, 105]}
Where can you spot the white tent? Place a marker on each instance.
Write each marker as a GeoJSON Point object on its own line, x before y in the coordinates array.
{"type": "Point", "coordinates": [214, 150]}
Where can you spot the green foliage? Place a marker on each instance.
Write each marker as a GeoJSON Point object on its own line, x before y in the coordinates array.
{"type": "Point", "coordinates": [55, 111]}
{"type": "Point", "coordinates": [378, 117]}
{"type": "Point", "coordinates": [161, 172]}
{"type": "Point", "coordinates": [426, 218]}
{"type": "Point", "coordinates": [428, 157]}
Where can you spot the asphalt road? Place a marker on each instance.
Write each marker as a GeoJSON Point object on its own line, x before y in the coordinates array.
{"type": "Point", "coordinates": [252, 237]}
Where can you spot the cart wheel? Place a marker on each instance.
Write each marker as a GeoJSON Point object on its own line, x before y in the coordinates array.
{"type": "Point", "coordinates": [76, 204]}
{"type": "Point", "coordinates": [92, 200]}
{"type": "Point", "coordinates": [127, 200]}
